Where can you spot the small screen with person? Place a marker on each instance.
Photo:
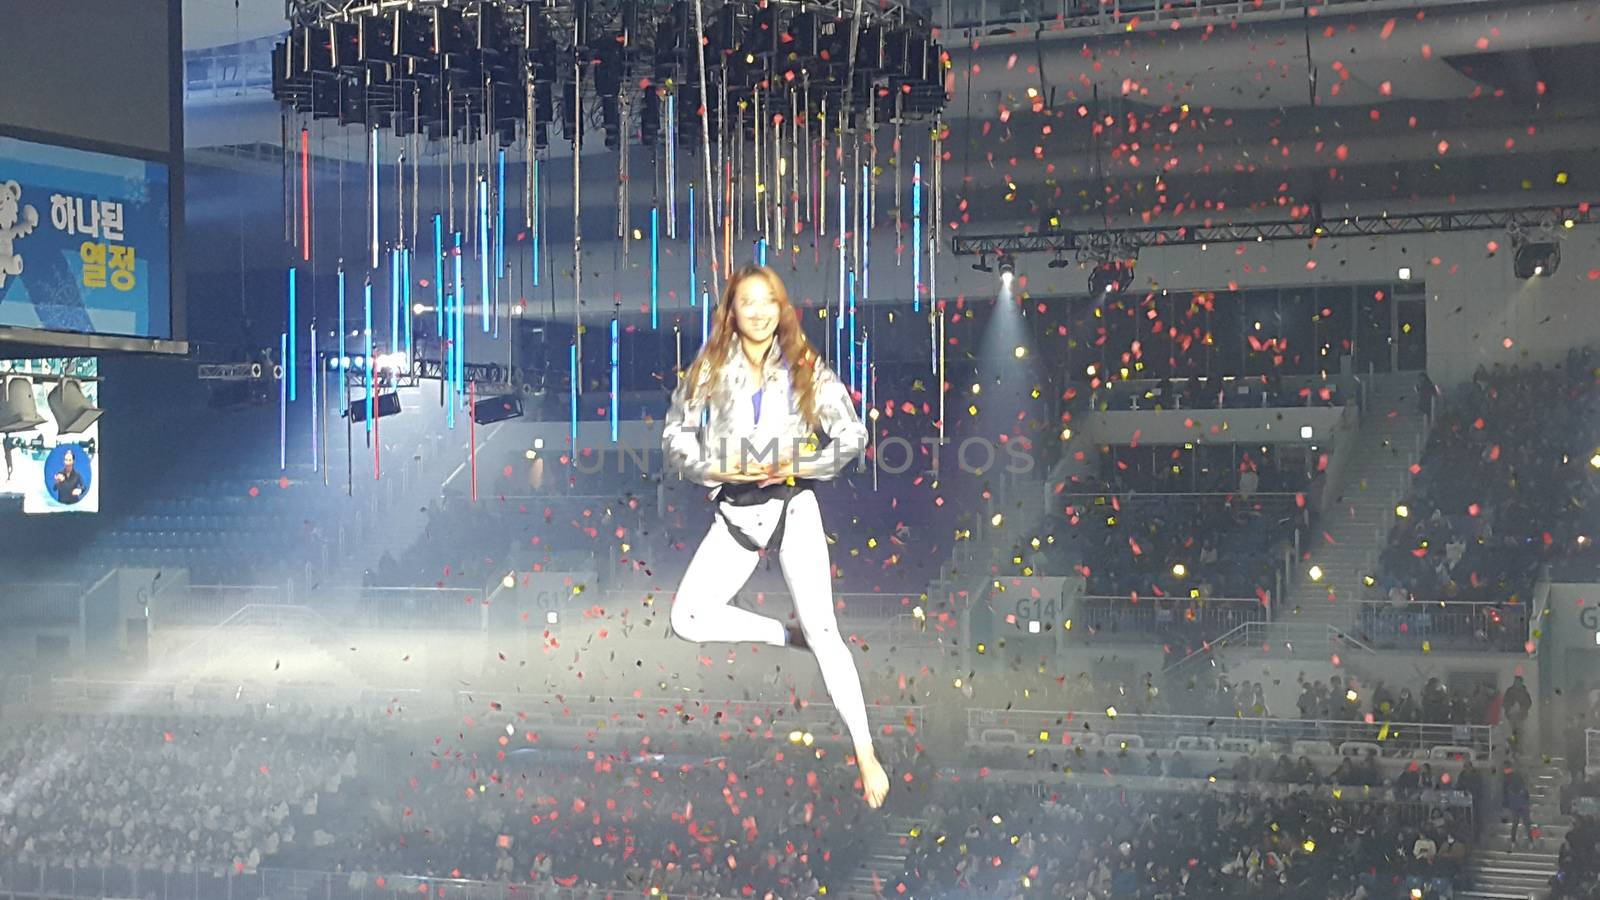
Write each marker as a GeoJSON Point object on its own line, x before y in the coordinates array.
{"type": "Point", "coordinates": [68, 485]}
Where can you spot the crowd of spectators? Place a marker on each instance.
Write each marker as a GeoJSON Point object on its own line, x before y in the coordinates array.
{"type": "Point", "coordinates": [1181, 525]}
{"type": "Point", "coordinates": [211, 798]}
{"type": "Point", "coordinates": [726, 825]}
{"type": "Point", "coordinates": [1504, 486]}
{"type": "Point", "coordinates": [1086, 842]}
{"type": "Point", "coordinates": [168, 794]}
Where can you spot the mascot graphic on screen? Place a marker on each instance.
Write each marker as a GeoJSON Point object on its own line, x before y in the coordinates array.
{"type": "Point", "coordinates": [16, 221]}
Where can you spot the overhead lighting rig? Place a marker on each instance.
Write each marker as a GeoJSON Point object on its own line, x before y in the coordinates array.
{"type": "Point", "coordinates": [765, 120]}
{"type": "Point", "coordinates": [1109, 243]}
{"type": "Point", "coordinates": [464, 69]}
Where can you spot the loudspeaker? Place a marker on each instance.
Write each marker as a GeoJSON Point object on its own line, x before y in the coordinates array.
{"type": "Point", "coordinates": [497, 409]}
{"type": "Point", "coordinates": [18, 412]}
{"type": "Point", "coordinates": [382, 405]}
{"type": "Point", "coordinates": [71, 409]}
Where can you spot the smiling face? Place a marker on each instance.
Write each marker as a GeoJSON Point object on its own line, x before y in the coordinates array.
{"type": "Point", "coordinates": [755, 310]}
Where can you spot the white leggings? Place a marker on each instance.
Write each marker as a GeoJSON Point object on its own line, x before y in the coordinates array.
{"type": "Point", "coordinates": [701, 612]}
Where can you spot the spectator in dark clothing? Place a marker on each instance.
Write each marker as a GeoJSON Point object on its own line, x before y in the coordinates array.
{"type": "Point", "coordinates": [1519, 804]}
{"type": "Point", "coordinates": [1517, 703]}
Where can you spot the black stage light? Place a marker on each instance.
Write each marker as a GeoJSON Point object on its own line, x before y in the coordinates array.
{"type": "Point", "coordinates": [497, 409]}
{"type": "Point", "coordinates": [379, 42]}
{"type": "Point", "coordinates": [650, 117]}
{"type": "Point", "coordinates": [316, 47]}
{"type": "Point", "coordinates": [352, 98]}
{"type": "Point", "coordinates": [382, 405]}
{"type": "Point", "coordinates": [344, 42]}
{"type": "Point", "coordinates": [1111, 277]}
{"type": "Point", "coordinates": [493, 35]}
{"type": "Point", "coordinates": [1534, 260]}
{"type": "Point", "coordinates": [450, 34]}
{"type": "Point", "coordinates": [802, 38]}
{"type": "Point", "coordinates": [323, 101]}
{"type": "Point", "coordinates": [414, 34]}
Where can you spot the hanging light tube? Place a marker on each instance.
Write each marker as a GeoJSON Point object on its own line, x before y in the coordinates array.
{"type": "Point", "coordinates": [344, 401]}
{"type": "Point", "coordinates": [851, 332]}
{"type": "Point", "coordinates": [368, 367]}
{"type": "Point", "coordinates": [459, 327]}
{"type": "Point", "coordinates": [289, 355]}
{"type": "Point", "coordinates": [533, 216]}
{"type": "Point", "coordinates": [447, 360]}
{"type": "Point", "coordinates": [283, 407]}
{"type": "Point", "coordinates": [655, 267]}
{"type": "Point", "coordinates": [305, 196]}
{"type": "Point", "coordinates": [500, 222]}
{"type": "Point", "coordinates": [916, 236]}
{"type": "Point", "coordinates": [373, 154]}
{"type": "Point", "coordinates": [866, 231]}
{"type": "Point", "coordinates": [865, 383]}
{"type": "Point", "coordinates": [405, 300]}
{"type": "Point", "coordinates": [394, 302]}
{"type": "Point", "coordinates": [572, 394]}
{"type": "Point", "coordinates": [314, 405]}
{"type": "Point", "coordinates": [694, 290]}
{"type": "Point", "coordinates": [483, 251]}
{"type": "Point", "coordinates": [838, 320]}
{"type": "Point", "coordinates": [616, 394]}
{"type": "Point", "coordinates": [438, 274]}
{"type": "Point", "coordinates": [672, 174]}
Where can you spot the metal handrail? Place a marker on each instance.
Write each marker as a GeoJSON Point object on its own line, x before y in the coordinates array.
{"type": "Point", "coordinates": [55, 882]}
{"type": "Point", "coordinates": [1069, 728]}
{"type": "Point", "coordinates": [1252, 633]}
{"type": "Point", "coordinates": [1123, 15]}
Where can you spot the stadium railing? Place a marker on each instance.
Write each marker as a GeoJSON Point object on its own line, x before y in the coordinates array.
{"type": "Point", "coordinates": [53, 882]}
{"type": "Point", "coordinates": [1315, 738]}
{"type": "Point", "coordinates": [625, 714]}
{"type": "Point", "coordinates": [1120, 619]}
{"type": "Point", "coordinates": [1450, 624]}
{"type": "Point", "coordinates": [1119, 14]}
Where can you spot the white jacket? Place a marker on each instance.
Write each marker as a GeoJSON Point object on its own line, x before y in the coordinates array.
{"type": "Point", "coordinates": [721, 426]}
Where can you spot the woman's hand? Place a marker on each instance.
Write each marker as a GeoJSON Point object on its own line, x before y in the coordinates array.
{"type": "Point", "coordinates": [739, 475]}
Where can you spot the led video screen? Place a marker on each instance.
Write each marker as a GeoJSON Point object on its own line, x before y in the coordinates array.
{"type": "Point", "coordinates": [85, 242]}
{"type": "Point", "coordinates": [50, 433]}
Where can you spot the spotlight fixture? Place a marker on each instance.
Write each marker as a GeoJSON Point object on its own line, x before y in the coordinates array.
{"type": "Point", "coordinates": [1059, 263]}
{"type": "Point", "coordinates": [1110, 277]}
{"type": "Point", "coordinates": [982, 265]}
{"type": "Point", "coordinates": [1008, 272]}
{"type": "Point", "coordinates": [1535, 259]}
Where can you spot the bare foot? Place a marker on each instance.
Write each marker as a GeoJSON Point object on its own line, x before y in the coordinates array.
{"type": "Point", "coordinates": [874, 780]}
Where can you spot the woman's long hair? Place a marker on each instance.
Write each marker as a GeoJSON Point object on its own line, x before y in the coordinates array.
{"type": "Point", "coordinates": [790, 337]}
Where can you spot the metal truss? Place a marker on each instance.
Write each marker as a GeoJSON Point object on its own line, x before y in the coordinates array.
{"type": "Point", "coordinates": [1113, 241]}
{"type": "Point", "coordinates": [490, 377]}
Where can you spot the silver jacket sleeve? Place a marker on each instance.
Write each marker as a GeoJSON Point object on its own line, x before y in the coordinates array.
{"type": "Point", "coordinates": [847, 437]}
{"type": "Point", "coordinates": [680, 439]}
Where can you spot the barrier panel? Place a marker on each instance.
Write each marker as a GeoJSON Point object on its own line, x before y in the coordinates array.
{"type": "Point", "coordinates": [1309, 737]}
{"type": "Point", "coordinates": [1453, 625]}
{"type": "Point", "coordinates": [50, 882]}
{"type": "Point", "coordinates": [1181, 621]}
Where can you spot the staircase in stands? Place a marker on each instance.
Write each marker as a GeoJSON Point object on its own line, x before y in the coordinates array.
{"type": "Point", "coordinates": [1503, 872]}
{"type": "Point", "coordinates": [883, 863]}
{"type": "Point", "coordinates": [1347, 542]}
